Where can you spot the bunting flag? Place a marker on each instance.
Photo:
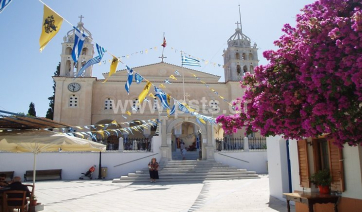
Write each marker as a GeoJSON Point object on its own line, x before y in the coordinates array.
{"type": "Point", "coordinates": [50, 26]}
{"type": "Point", "coordinates": [173, 77]}
{"type": "Point", "coordinates": [182, 108]}
{"type": "Point", "coordinates": [94, 60]}
{"type": "Point", "coordinates": [129, 80]}
{"type": "Point", "coordinates": [162, 96]}
{"type": "Point", "coordinates": [138, 78]}
{"type": "Point", "coordinates": [5, 3]}
{"type": "Point", "coordinates": [125, 117]}
{"type": "Point", "coordinates": [113, 68]}
{"type": "Point", "coordinates": [162, 86]}
{"type": "Point", "coordinates": [164, 42]}
{"type": "Point", "coordinates": [177, 73]}
{"type": "Point", "coordinates": [201, 120]}
{"type": "Point", "coordinates": [114, 122]}
{"type": "Point", "coordinates": [78, 44]}
{"type": "Point", "coordinates": [167, 81]}
{"type": "Point", "coordinates": [188, 61]}
{"type": "Point", "coordinates": [173, 110]}
{"type": "Point", "coordinates": [151, 95]}
{"type": "Point", "coordinates": [144, 93]}
{"type": "Point", "coordinates": [128, 113]}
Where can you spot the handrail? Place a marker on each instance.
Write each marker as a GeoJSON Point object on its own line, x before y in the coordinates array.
{"type": "Point", "coordinates": [134, 160]}
{"type": "Point", "coordinates": [233, 158]}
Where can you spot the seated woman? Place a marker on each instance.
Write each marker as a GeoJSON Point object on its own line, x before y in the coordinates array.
{"type": "Point", "coordinates": [153, 169]}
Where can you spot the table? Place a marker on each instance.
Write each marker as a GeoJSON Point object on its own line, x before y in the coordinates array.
{"type": "Point", "coordinates": [310, 199]}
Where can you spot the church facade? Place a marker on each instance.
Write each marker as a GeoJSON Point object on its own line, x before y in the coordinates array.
{"type": "Point", "coordinates": [86, 100]}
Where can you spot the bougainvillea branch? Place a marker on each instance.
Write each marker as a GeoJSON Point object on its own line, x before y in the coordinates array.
{"type": "Point", "coordinates": [313, 82]}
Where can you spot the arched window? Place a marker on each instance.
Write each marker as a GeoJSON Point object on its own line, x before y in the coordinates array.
{"type": "Point", "coordinates": [136, 104]}
{"type": "Point", "coordinates": [252, 69]}
{"type": "Point", "coordinates": [238, 69]}
{"type": "Point", "coordinates": [68, 66]}
{"type": "Point", "coordinates": [68, 51]}
{"type": "Point", "coordinates": [84, 51]}
{"type": "Point", "coordinates": [245, 69]}
{"type": "Point", "coordinates": [251, 57]}
{"type": "Point", "coordinates": [73, 101]}
{"type": "Point", "coordinates": [108, 104]}
{"type": "Point", "coordinates": [244, 56]}
{"type": "Point", "coordinates": [237, 56]}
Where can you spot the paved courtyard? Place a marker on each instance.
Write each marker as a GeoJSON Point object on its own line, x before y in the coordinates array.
{"type": "Point", "coordinates": [232, 195]}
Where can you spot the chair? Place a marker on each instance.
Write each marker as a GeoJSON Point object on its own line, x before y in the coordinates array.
{"type": "Point", "coordinates": [23, 206]}
{"type": "Point", "coordinates": [31, 189]}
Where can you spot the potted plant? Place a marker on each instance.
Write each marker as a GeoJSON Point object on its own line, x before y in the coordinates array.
{"type": "Point", "coordinates": [33, 200]}
{"type": "Point", "coordinates": [322, 179]}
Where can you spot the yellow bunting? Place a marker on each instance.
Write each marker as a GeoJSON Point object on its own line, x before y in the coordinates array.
{"type": "Point", "coordinates": [173, 77]}
{"type": "Point", "coordinates": [151, 95]}
{"type": "Point", "coordinates": [206, 61]}
{"type": "Point", "coordinates": [101, 132]}
{"type": "Point", "coordinates": [202, 121]}
{"type": "Point", "coordinates": [146, 51]}
{"type": "Point", "coordinates": [221, 97]}
{"type": "Point", "coordinates": [194, 75]}
{"type": "Point", "coordinates": [50, 26]}
{"type": "Point", "coordinates": [115, 122]}
{"type": "Point", "coordinates": [162, 86]}
{"type": "Point", "coordinates": [155, 48]}
{"type": "Point", "coordinates": [168, 98]}
{"type": "Point", "coordinates": [144, 93]}
{"type": "Point", "coordinates": [113, 67]}
{"type": "Point", "coordinates": [128, 113]}
{"type": "Point", "coordinates": [127, 56]}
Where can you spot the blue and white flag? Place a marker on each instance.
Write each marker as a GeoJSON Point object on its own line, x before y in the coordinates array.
{"type": "Point", "coordinates": [162, 96]}
{"type": "Point", "coordinates": [173, 110]}
{"type": "Point", "coordinates": [129, 80]}
{"type": "Point", "coordinates": [94, 60]}
{"type": "Point", "coordinates": [3, 4]}
{"type": "Point", "coordinates": [138, 78]}
{"type": "Point", "coordinates": [188, 61]}
{"type": "Point", "coordinates": [167, 81]}
{"type": "Point", "coordinates": [182, 108]}
{"type": "Point", "coordinates": [78, 44]}
{"type": "Point", "coordinates": [177, 73]}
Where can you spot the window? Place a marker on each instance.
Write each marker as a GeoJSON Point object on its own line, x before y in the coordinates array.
{"type": "Point", "coordinates": [108, 104]}
{"type": "Point", "coordinates": [245, 69]}
{"type": "Point", "coordinates": [251, 57]}
{"type": "Point", "coordinates": [68, 51]}
{"type": "Point", "coordinates": [214, 106]}
{"type": "Point", "coordinates": [326, 155]}
{"type": "Point", "coordinates": [155, 103]}
{"type": "Point", "coordinates": [251, 68]}
{"type": "Point", "coordinates": [238, 69]}
{"type": "Point", "coordinates": [244, 56]}
{"type": "Point", "coordinates": [84, 51]}
{"type": "Point", "coordinates": [237, 56]}
{"type": "Point", "coordinates": [73, 101]}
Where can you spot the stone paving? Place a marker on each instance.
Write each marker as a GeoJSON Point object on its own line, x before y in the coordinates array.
{"type": "Point", "coordinates": [225, 195]}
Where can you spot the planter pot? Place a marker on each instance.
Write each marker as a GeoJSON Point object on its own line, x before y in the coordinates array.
{"type": "Point", "coordinates": [33, 202]}
{"type": "Point", "coordinates": [323, 189]}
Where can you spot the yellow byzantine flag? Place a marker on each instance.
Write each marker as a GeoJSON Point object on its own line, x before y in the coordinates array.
{"type": "Point", "coordinates": [101, 132]}
{"type": "Point", "coordinates": [113, 68]}
{"type": "Point", "coordinates": [144, 93]}
{"type": "Point", "coordinates": [50, 26]}
{"type": "Point", "coordinates": [168, 99]}
{"type": "Point", "coordinates": [173, 77]}
{"type": "Point", "coordinates": [151, 95]}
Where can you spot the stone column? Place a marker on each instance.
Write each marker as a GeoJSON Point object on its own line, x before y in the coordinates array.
{"type": "Point", "coordinates": [246, 144]}
{"type": "Point", "coordinates": [203, 140]}
{"type": "Point", "coordinates": [165, 148]}
{"type": "Point", "coordinates": [120, 144]}
{"type": "Point", "coordinates": [210, 147]}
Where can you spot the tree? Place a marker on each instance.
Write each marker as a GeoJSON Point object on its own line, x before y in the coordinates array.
{"type": "Point", "coordinates": [313, 82]}
{"type": "Point", "coordinates": [31, 111]}
{"type": "Point", "coordinates": [50, 112]}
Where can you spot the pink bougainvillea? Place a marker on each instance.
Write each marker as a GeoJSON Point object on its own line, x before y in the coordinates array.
{"type": "Point", "coordinates": [313, 82]}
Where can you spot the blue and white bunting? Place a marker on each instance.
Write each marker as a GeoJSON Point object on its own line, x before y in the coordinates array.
{"type": "Point", "coordinates": [129, 80]}
{"type": "Point", "coordinates": [177, 73]}
{"type": "Point", "coordinates": [182, 108]}
{"type": "Point", "coordinates": [138, 78]}
{"type": "Point", "coordinates": [3, 4]}
{"type": "Point", "coordinates": [94, 60]}
{"type": "Point", "coordinates": [173, 110]}
{"type": "Point", "coordinates": [167, 81]}
{"type": "Point", "coordinates": [188, 61]}
{"type": "Point", "coordinates": [162, 96]}
{"type": "Point", "coordinates": [78, 44]}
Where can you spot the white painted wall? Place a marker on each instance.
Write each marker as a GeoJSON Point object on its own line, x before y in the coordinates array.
{"type": "Point", "coordinates": [257, 160]}
{"type": "Point", "coordinates": [352, 169]}
{"type": "Point", "coordinates": [277, 167]}
{"type": "Point", "coordinates": [74, 163]}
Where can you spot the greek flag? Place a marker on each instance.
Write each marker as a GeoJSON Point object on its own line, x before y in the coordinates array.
{"type": "Point", "coordinates": [129, 80]}
{"type": "Point", "coordinates": [162, 96]}
{"type": "Point", "coordinates": [78, 44]}
{"type": "Point", "coordinates": [94, 60]}
{"type": "Point", "coordinates": [167, 81]}
{"type": "Point", "coordinates": [173, 110]}
{"type": "Point", "coordinates": [182, 108]}
{"type": "Point", "coordinates": [138, 78]}
{"type": "Point", "coordinates": [3, 4]}
{"type": "Point", "coordinates": [188, 61]}
{"type": "Point", "coordinates": [177, 73]}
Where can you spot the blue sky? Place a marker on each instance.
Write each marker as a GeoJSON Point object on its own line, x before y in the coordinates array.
{"type": "Point", "coordinates": [123, 27]}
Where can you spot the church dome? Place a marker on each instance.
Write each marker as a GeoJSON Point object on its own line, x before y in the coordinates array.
{"type": "Point", "coordinates": [80, 26]}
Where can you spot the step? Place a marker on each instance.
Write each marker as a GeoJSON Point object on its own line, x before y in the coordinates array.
{"type": "Point", "coordinates": [123, 180]}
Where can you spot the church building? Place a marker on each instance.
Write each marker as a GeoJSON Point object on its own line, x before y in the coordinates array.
{"type": "Point", "coordinates": [86, 100]}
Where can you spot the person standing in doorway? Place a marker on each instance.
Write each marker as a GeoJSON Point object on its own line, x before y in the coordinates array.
{"type": "Point", "coordinates": [153, 169]}
{"type": "Point", "coordinates": [183, 150]}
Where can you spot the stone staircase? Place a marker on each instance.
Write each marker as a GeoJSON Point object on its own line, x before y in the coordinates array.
{"type": "Point", "coordinates": [190, 170]}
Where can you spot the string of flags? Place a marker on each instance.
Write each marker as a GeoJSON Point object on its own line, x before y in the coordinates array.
{"type": "Point", "coordinates": [3, 4]}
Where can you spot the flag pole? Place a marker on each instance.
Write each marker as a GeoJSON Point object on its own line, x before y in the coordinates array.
{"type": "Point", "coordinates": [163, 49]}
{"type": "Point", "coordinates": [183, 78]}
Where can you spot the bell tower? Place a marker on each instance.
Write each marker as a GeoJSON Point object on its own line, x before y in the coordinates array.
{"type": "Point", "coordinates": [67, 66]}
{"type": "Point", "coordinates": [240, 57]}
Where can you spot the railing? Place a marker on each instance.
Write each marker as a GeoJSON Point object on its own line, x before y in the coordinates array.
{"type": "Point", "coordinates": [241, 144]}
{"type": "Point", "coordinates": [138, 144]}
{"type": "Point", "coordinates": [230, 144]}
{"type": "Point", "coordinates": [257, 143]}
